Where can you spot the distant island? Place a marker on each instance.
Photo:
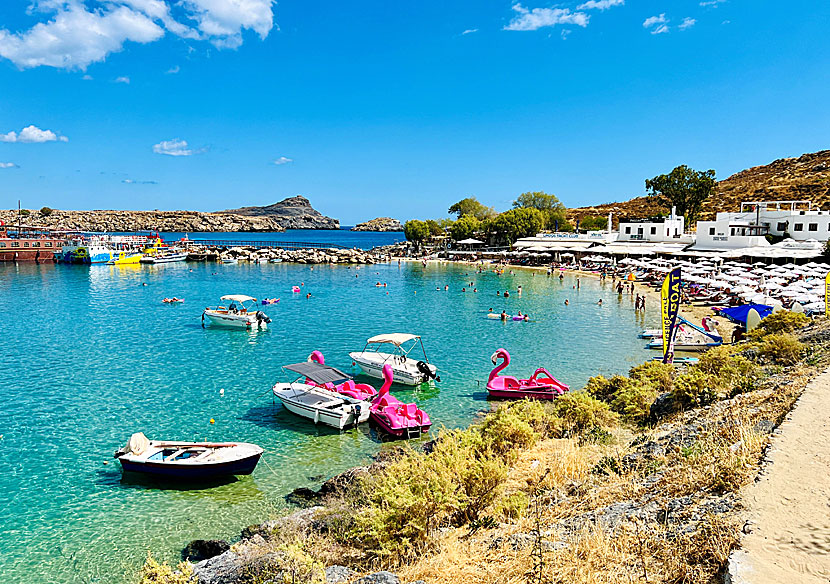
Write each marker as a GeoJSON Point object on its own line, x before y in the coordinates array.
{"type": "Point", "coordinates": [379, 224]}
{"type": "Point", "coordinates": [292, 213]}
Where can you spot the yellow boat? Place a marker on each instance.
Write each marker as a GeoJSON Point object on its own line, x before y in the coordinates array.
{"type": "Point", "coordinates": [122, 258]}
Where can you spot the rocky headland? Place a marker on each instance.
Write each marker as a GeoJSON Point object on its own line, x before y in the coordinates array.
{"type": "Point", "coordinates": [291, 213]}
{"type": "Point", "coordinates": [379, 224]}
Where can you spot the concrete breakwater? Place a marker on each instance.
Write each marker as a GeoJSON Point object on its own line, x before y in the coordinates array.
{"type": "Point", "coordinates": [298, 256]}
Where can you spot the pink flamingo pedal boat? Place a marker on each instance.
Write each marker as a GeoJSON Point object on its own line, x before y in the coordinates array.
{"type": "Point", "coordinates": [359, 391]}
{"type": "Point", "coordinates": [395, 417]}
{"type": "Point", "coordinates": [541, 385]}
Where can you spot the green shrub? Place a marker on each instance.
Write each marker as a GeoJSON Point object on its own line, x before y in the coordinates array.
{"type": "Point", "coordinates": [579, 412]}
{"type": "Point", "coordinates": [695, 388]}
{"type": "Point", "coordinates": [658, 375]}
{"type": "Point", "coordinates": [45, 211]}
{"type": "Point", "coordinates": [784, 321]}
{"type": "Point", "coordinates": [727, 370]}
{"type": "Point", "coordinates": [781, 349]}
{"type": "Point", "coordinates": [514, 425]}
{"type": "Point", "coordinates": [633, 402]}
{"type": "Point", "coordinates": [512, 506]}
{"type": "Point", "coordinates": [25, 212]}
{"type": "Point", "coordinates": [605, 389]}
{"type": "Point", "coordinates": [153, 572]}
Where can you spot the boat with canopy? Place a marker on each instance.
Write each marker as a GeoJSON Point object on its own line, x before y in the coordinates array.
{"type": "Point", "coordinates": [308, 397]}
{"type": "Point", "coordinates": [240, 312]}
{"type": "Point", "coordinates": [394, 349]}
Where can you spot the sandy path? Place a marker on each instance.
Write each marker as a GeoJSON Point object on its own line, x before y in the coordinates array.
{"type": "Point", "coordinates": [789, 540]}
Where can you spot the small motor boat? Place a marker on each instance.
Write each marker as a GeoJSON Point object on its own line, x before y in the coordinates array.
{"type": "Point", "coordinates": [188, 460]}
{"type": "Point", "coordinates": [361, 391]}
{"type": "Point", "coordinates": [239, 313]}
{"type": "Point", "coordinates": [540, 385]}
{"type": "Point", "coordinates": [395, 417]}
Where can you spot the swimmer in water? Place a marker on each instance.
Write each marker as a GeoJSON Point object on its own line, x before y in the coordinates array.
{"type": "Point", "coordinates": [498, 293]}
{"type": "Point", "coordinates": [599, 302]}
{"type": "Point", "coordinates": [506, 294]}
{"type": "Point", "coordinates": [503, 315]}
{"type": "Point", "coordinates": [463, 289]}
{"type": "Point", "coordinates": [566, 302]}
{"type": "Point", "coordinates": [475, 289]}
{"type": "Point", "coordinates": [526, 318]}
{"type": "Point", "coordinates": [446, 287]}
{"type": "Point", "coordinates": [491, 310]}
{"type": "Point", "coordinates": [307, 296]}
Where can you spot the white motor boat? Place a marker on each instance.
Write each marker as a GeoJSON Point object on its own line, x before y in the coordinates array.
{"type": "Point", "coordinates": [164, 258]}
{"type": "Point", "coordinates": [240, 312]}
{"type": "Point", "coordinates": [406, 370]}
{"type": "Point", "coordinates": [306, 398]}
{"type": "Point", "coordinates": [230, 260]}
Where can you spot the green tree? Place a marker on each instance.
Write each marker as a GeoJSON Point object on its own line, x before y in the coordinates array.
{"type": "Point", "coordinates": [550, 206]}
{"type": "Point", "coordinates": [45, 211]}
{"type": "Point", "coordinates": [471, 206]}
{"type": "Point", "coordinates": [434, 227]}
{"type": "Point", "coordinates": [684, 188]}
{"type": "Point", "coordinates": [465, 228]}
{"type": "Point", "coordinates": [445, 223]}
{"type": "Point", "coordinates": [416, 231]}
{"type": "Point", "coordinates": [516, 223]}
{"type": "Point", "coordinates": [590, 222]}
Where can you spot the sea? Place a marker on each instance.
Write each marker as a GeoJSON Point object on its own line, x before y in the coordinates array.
{"type": "Point", "coordinates": [91, 355]}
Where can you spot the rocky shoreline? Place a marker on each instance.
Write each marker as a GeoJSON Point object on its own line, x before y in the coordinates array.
{"type": "Point", "coordinates": [298, 256]}
{"type": "Point", "coordinates": [381, 224]}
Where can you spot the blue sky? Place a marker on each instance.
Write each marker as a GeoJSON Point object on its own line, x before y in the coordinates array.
{"type": "Point", "coordinates": [387, 108]}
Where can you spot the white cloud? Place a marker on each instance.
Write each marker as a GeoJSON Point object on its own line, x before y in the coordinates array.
{"type": "Point", "coordinates": [542, 17]}
{"type": "Point", "coordinates": [470, 31]}
{"type": "Point", "coordinates": [662, 29]}
{"type": "Point", "coordinates": [712, 3]}
{"type": "Point", "coordinates": [32, 135]}
{"type": "Point", "coordinates": [173, 70]}
{"type": "Point", "coordinates": [687, 23]}
{"type": "Point", "coordinates": [125, 80]}
{"type": "Point", "coordinates": [652, 20]}
{"type": "Point", "coordinates": [8, 165]}
{"type": "Point", "coordinates": [600, 4]}
{"type": "Point", "coordinates": [282, 160]}
{"type": "Point", "coordinates": [87, 77]}
{"type": "Point", "coordinates": [78, 35]}
{"type": "Point", "coordinates": [176, 147]}
{"type": "Point", "coordinates": [129, 181]}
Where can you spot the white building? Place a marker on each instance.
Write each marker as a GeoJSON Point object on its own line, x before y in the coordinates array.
{"type": "Point", "coordinates": [658, 230]}
{"type": "Point", "coordinates": [748, 228]}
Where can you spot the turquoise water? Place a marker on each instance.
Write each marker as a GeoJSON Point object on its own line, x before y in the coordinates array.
{"type": "Point", "coordinates": [91, 356]}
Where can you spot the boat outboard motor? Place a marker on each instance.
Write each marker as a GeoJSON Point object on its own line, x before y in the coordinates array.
{"type": "Point", "coordinates": [428, 373]}
{"type": "Point", "coordinates": [262, 317]}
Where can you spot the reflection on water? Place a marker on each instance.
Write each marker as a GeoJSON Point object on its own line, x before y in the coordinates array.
{"type": "Point", "coordinates": [95, 355]}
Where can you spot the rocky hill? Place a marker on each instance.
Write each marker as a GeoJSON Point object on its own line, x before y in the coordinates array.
{"type": "Point", "coordinates": [291, 213]}
{"type": "Point", "coordinates": [806, 177]}
{"type": "Point", "coordinates": [186, 221]}
{"type": "Point", "coordinates": [379, 224]}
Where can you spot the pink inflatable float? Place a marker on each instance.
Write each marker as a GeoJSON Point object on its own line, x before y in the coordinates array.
{"type": "Point", "coordinates": [359, 391]}
{"type": "Point", "coordinates": [540, 385]}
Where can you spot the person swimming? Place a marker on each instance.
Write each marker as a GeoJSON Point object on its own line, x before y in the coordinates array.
{"type": "Point", "coordinates": [566, 302]}
{"type": "Point", "coordinates": [599, 302]}
{"type": "Point", "coordinates": [498, 293]}
{"type": "Point", "coordinates": [526, 318]}
{"type": "Point", "coordinates": [506, 294]}
{"type": "Point", "coordinates": [503, 315]}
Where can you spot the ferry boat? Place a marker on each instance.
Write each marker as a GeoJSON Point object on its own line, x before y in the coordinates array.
{"type": "Point", "coordinates": [28, 244]}
{"type": "Point", "coordinates": [88, 248]}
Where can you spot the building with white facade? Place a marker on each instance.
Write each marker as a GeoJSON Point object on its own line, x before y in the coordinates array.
{"type": "Point", "coordinates": [656, 230]}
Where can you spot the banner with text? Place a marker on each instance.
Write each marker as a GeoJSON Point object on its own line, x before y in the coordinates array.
{"type": "Point", "coordinates": [670, 304]}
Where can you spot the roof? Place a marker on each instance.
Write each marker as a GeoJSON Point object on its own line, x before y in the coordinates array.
{"type": "Point", "coordinates": [238, 297]}
{"type": "Point", "coordinates": [470, 241]}
{"type": "Point", "coordinates": [394, 338]}
{"type": "Point", "coordinates": [318, 373]}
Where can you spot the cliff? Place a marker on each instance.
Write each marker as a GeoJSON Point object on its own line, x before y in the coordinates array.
{"type": "Point", "coordinates": [379, 224]}
{"type": "Point", "coordinates": [291, 213]}
{"type": "Point", "coordinates": [806, 177]}
{"type": "Point", "coordinates": [186, 221]}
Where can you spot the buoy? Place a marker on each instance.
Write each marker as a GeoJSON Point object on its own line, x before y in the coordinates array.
{"type": "Point", "coordinates": [222, 392]}
{"type": "Point", "coordinates": [212, 421]}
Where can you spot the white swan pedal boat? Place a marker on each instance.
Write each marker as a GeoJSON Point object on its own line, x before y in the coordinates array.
{"type": "Point", "coordinates": [240, 312]}
{"type": "Point", "coordinates": [393, 349]}
{"type": "Point", "coordinates": [306, 398]}
{"type": "Point", "coordinates": [188, 460]}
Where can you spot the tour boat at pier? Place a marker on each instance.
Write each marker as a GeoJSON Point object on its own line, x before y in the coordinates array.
{"type": "Point", "coordinates": [308, 397]}
{"type": "Point", "coordinates": [165, 257]}
{"type": "Point", "coordinates": [406, 370]}
{"type": "Point", "coordinates": [188, 460]}
{"type": "Point", "coordinates": [540, 385]}
{"type": "Point", "coordinates": [29, 244]}
{"type": "Point", "coordinates": [240, 312]}
{"type": "Point", "coordinates": [88, 248]}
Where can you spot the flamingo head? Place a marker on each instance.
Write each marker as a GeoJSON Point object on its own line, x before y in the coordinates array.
{"type": "Point", "coordinates": [317, 357]}
{"type": "Point", "coordinates": [499, 354]}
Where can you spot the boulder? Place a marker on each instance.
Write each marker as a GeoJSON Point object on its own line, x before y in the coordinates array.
{"type": "Point", "coordinates": [379, 578]}
{"type": "Point", "coordinates": [203, 549]}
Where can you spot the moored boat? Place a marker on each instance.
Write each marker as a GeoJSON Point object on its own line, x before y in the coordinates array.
{"type": "Point", "coordinates": [165, 257]}
{"type": "Point", "coordinates": [407, 370]}
{"type": "Point", "coordinates": [306, 396]}
{"type": "Point", "coordinates": [239, 313]}
{"type": "Point", "coordinates": [540, 385]}
{"type": "Point", "coordinates": [394, 416]}
{"type": "Point", "coordinates": [29, 244]}
{"type": "Point", "coordinates": [348, 387]}
{"type": "Point", "coordinates": [188, 460]}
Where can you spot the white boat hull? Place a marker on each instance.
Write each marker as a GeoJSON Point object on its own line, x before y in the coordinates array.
{"type": "Point", "coordinates": [245, 321]}
{"type": "Point", "coordinates": [321, 405]}
{"type": "Point", "coordinates": [405, 372]}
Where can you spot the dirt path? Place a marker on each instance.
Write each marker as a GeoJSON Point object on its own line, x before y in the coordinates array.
{"type": "Point", "coordinates": [789, 507]}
